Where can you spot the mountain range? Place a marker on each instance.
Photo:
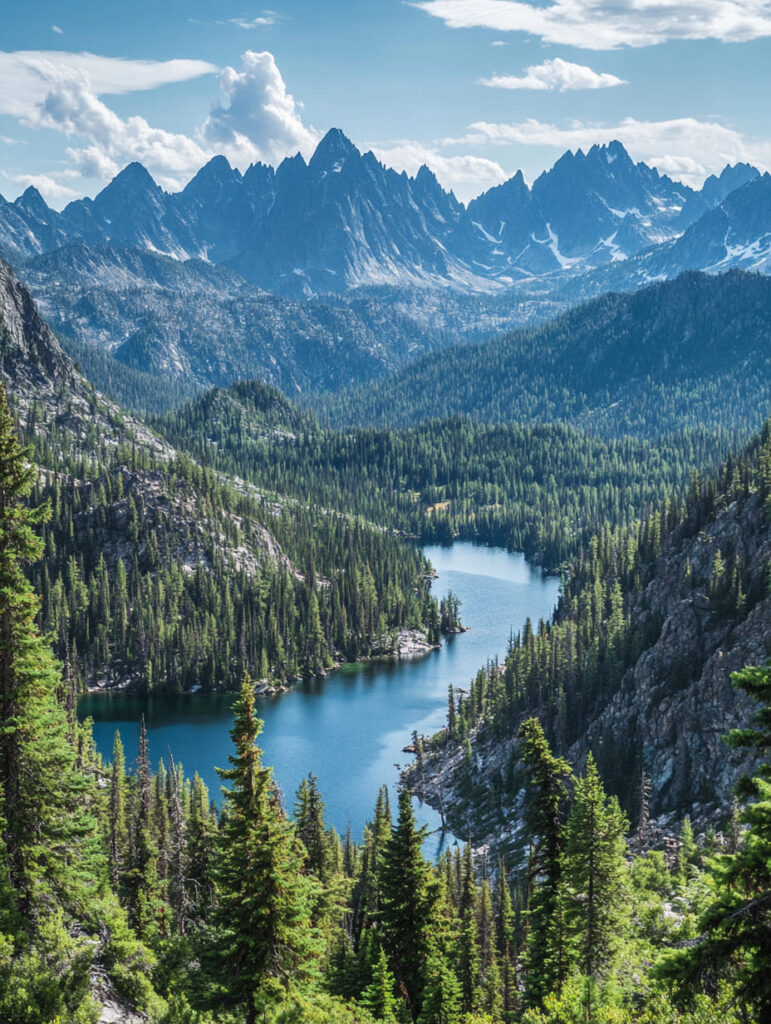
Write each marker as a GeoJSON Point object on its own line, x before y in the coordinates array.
{"type": "Point", "coordinates": [343, 220]}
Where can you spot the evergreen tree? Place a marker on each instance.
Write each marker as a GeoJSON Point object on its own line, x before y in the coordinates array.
{"type": "Point", "coordinates": [735, 942]}
{"type": "Point", "coordinates": [595, 876]}
{"type": "Point", "coordinates": [265, 940]}
{"type": "Point", "coordinates": [545, 954]}
{"type": "Point", "coordinates": [378, 997]}
{"type": "Point", "coordinates": [49, 834]}
{"type": "Point", "coordinates": [118, 829]}
{"type": "Point", "coordinates": [443, 996]}
{"type": "Point", "coordinates": [408, 900]}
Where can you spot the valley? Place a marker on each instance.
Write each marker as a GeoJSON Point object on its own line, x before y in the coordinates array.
{"type": "Point", "coordinates": [262, 440]}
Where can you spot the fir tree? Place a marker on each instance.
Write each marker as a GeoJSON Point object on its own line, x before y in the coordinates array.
{"type": "Point", "coordinates": [408, 899]}
{"type": "Point", "coordinates": [266, 942]}
{"type": "Point", "coordinates": [735, 942]}
{"type": "Point", "coordinates": [545, 958]}
{"type": "Point", "coordinates": [595, 876]}
{"type": "Point", "coordinates": [48, 832]}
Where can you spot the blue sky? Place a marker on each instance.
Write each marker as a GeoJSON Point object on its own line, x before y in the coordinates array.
{"type": "Point", "coordinates": [475, 88]}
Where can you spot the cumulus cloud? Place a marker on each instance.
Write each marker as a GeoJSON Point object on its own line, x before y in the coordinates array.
{"type": "Point", "coordinates": [466, 175]}
{"type": "Point", "coordinates": [261, 120]}
{"type": "Point", "coordinates": [71, 107]}
{"type": "Point", "coordinates": [26, 76]}
{"type": "Point", "coordinates": [555, 74]}
{"type": "Point", "coordinates": [685, 147]}
{"type": "Point", "coordinates": [609, 24]}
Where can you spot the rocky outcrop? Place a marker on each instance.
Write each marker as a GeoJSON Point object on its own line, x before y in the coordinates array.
{"type": "Point", "coordinates": [677, 702]}
{"type": "Point", "coordinates": [706, 611]}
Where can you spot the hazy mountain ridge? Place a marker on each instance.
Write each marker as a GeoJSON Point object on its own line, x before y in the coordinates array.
{"type": "Point", "coordinates": [692, 352]}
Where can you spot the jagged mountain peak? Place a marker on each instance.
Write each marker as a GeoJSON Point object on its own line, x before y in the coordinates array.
{"type": "Point", "coordinates": [333, 151]}
{"type": "Point", "coordinates": [716, 188]}
{"type": "Point", "coordinates": [134, 178]}
{"type": "Point", "coordinates": [32, 202]}
{"type": "Point", "coordinates": [217, 173]}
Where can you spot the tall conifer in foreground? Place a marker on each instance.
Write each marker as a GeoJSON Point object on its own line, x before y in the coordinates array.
{"type": "Point", "coordinates": [594, 878]}
{"type": "Point", "coordinates": [545, 954]}
{"type": "Point", "coordinates": [408, 898]}
{"type": "Point", "coordinates": [265, 943]}
{"type": "Point", "coordinates": [48, 830]}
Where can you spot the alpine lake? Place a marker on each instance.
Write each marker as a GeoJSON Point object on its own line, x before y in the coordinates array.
{"type": "Point", "coordinates": [350, 727]}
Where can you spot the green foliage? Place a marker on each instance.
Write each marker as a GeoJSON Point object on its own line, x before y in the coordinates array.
{"type": "Point", "coordinates": [735, 931]}
{"type": "Point", "coordinates": [680, 353]}
{"type": "Point", "coordinates": [265, 943]}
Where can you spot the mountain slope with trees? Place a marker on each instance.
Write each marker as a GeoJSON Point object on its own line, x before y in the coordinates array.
{"type": "Point", "coordinates": [635, 667]}
{"type": "Point", "coordinates": [685, 353]}
{"type": "Point", "coordinates": [159, 573]}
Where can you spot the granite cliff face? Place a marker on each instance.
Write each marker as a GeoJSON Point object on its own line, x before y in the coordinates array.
{"type": "Point", "coordinates": [677, 702]}
{"type": "Point", "coordinates": [705, 611]}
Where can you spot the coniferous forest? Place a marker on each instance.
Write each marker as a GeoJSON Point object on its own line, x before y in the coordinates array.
{"type": "Point", "coordinates": [603, 788]}
{"type": "Point", "coordinates": [137, 887]}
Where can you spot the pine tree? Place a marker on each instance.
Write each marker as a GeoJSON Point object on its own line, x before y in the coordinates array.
{"type": "Point", "coordinates": [378, 997]}
{"type": "Point", "coordinates": [48, 832]}
{"type": "Point", "coordinates": [735, 943]}
{"type": "Point", "coordinates": [118, 829]}
{"type": "Point", "coordinates": [594, 878]}
{"type": "Point", "coordinates": [545, 959]}
{"type": "Point", "coordinates": [408, 899]}
{"type": "Point", "coordinates": [309, 819]}
{"type": "Point", "coordinates": [443, 996]}
{"type": "Point", "coordinates": [266, 942]}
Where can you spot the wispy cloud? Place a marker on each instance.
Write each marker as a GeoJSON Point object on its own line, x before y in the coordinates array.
{"type": "Point", "coordinates": [555, 74]}
{"type": "Point", "coordinates": [261, 21]}
{"type": "Point", "coordinates": [685, 147]}
{"type": "Point", "coordinates": [609, 24]}
{"type": "Point", "coordinates": [26, 76]}
{"type": "Point", "coordinates": [57, 30]}
{"type": "Point", "coordinates": [53, 191]}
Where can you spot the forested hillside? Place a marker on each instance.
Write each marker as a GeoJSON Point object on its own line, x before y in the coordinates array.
{"type": "Point", "coordinates": [635, 666]}
{"type": "Point", "coordinates": [688, 353]}
{"type": "Point", "coordinates": [543, 489]}
{"type": "Point", "coordinates": [128, 897]}
{"type": "Point", "coordinates": [162, 574]}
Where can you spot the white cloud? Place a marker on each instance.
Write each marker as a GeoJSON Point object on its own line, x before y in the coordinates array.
{"type": "Point", "coordinates": [62, 92]}
{"type": "Point", "coordinates": [555, 74]}
{"type": "Point", "coordinates": [685, 147]}
{"type": "Point", "coordinates": [261, 21]}
{"type": "Point", "coordinates": [26, 76]}
{"type": "Point", "coordinates": [498, 42]}
{"type": "Point", "coordinates": [609, 24]}
{"type": "Point", "coordinates": [54, 192]}
{"type": "Point", "coordinates": [57, 30]}
{"type": "Point", "coordinates": [261, 120]}
{"type": "Point", "coordinates": [72, 108]}
{"type": "Point", "coordinates": [467, 176]}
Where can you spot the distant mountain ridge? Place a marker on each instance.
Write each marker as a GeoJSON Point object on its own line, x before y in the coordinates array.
{"type": "Point", "coordinates": [693, 352]}
{"type": "Point", "coordinates": [343, 220]}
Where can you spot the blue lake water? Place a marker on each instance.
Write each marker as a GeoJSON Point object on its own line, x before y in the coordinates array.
{"type": "Point", "coordinates": [349, 728]}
